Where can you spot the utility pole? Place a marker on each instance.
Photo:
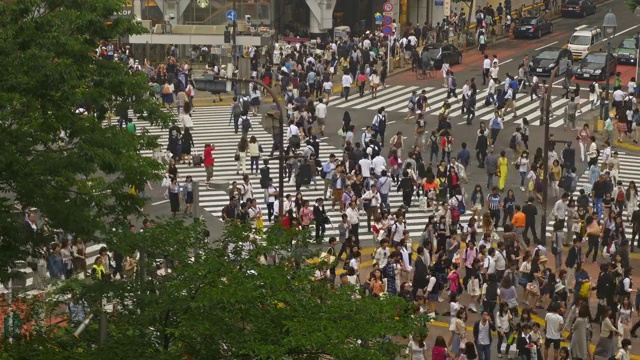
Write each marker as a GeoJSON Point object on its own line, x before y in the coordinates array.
{"type": "Point", "coordinates": [281, 156]}
{"type": "Point", "coordinates": [546, 119]}
{"type": "Point", "coordinates": [234, 48]}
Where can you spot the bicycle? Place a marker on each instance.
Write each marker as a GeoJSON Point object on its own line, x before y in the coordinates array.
{"type": "Point", "coordinates": [430, 72]}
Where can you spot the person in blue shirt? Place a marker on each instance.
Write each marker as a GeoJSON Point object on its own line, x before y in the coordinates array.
{"type": "Point", "coordinates": [54, 263]}
{"type": "Point", "coordinates": [581, 276]}
{"type": "Point", "coordinates": [464, 157]}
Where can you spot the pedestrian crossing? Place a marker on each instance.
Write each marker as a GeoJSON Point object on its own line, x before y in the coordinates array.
{"type": "Point", "coordinates": [629, 171]}
{"type": "Point", "coordinates": [211, 125]}
{"type": "Point", "coordinates": [395, 98]}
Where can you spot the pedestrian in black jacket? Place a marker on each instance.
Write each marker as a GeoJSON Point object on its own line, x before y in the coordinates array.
{"type": "Point", "coordinates": [605, 289]}
{"type": "Point", "coordinates": [530, 211]}
{"type": "Point", "coordinates": [319, 216]}
{"type": "Point", "coordinates": [482, 335]}
{"type": "Point", "coordinates": [524, 344]}
{"type": "Point", "coordinates": [420, 273]}
{"type": "Point", "coordinates": [407, 188]}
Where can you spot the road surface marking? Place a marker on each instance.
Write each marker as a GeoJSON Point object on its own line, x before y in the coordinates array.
{"type": "Point", "coordinates": [555, 42]}
{"type": "Point", "coordinates": [159, 202]}
{"type": "Point", "coordinates": [622, 32]}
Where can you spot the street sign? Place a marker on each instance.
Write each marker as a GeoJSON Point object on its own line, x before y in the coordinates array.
{"type": "Point", "coordinates": [387, 6]}
{"type": "Point", "coordinates": [387, 20]}
{"type": "Point", "coordinates": [387, 30]}
{"type": "Point", "coordinates": [378, 18]}
{"type": "Point", "coordinates": [439, 3]}
{"type": "Point", "coordinates": [232, 15]}
{"type": "Point", "coordinates": [388, 13]}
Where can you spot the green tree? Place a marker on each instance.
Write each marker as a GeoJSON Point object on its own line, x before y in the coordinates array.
{"type": "Point", "coordinates": [632, 4]}
{"type": "Point", "coordinates": [51, 70]}
{"type": "Point", "coordinates": [226, 304]}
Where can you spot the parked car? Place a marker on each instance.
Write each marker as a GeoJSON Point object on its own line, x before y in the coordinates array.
{"type": "Point", "coordinates": [438, 53]}
{"type": "Point", "coordinates": [532, 27]}
{"type": "Point", "coordinates": [545, 60]}
{"type": "Point", "coordinates": [625, 53]}
{"type": "Point", "coordinates": [577, 8]}
{"type": "Point", "coordinates": [596, 66]}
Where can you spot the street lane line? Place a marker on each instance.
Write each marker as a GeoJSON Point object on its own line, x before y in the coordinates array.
{"type": "Point", "coordinates": [579, 28]}
{"type": "Point", "coordinates": [555, 42]}
{"type": "Point", "coordinates": [622, 32]}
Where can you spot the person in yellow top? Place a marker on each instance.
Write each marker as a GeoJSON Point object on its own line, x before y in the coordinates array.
{"type": "Point", "coordinates": [98, 271]}
{"type": "Point", "coordinates": [441, 189]}
{"type": "Point", "coordinates": [555, 172]}
{"type": "Point", "coordinates": [503, 168]}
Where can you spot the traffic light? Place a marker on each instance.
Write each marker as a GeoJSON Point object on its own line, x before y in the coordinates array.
{"type": "Point", "coordinates": [227, 37]}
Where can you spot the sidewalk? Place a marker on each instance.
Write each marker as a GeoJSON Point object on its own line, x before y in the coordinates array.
{"type": "Point", "coordinates": [206, 99]}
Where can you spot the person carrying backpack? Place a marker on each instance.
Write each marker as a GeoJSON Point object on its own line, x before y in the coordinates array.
{"type": "Point", "coordinates": [244, 123]}
{"type": "Point", "coordinates": [379, 125]}
{"type": "Point", "coordinates": [236, 112]}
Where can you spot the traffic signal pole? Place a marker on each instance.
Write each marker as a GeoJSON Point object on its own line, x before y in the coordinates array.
{"type": "Point", "coordinates": [234, 31]}
{"type": "Point", "coordinates": [281, 156]}
{"type": "Point", "coordinates": [546, 119]}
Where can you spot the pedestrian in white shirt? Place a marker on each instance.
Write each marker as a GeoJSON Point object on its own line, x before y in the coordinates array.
{"type": "Point", "coordinates": [365, 166]}
{"type": "Point", "coordinates": [347, 80]}
{"type": "Point", "coordinates": [293, 134]}
{"type": "Point", "coordinates": [321, 115]}
{"type": "Point", "coordinates": [486, 66]}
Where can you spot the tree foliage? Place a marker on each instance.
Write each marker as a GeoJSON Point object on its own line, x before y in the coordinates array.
{"type": "Point", "coordinates": [632, 4]}
{"type": "Point", "coordinates": [226, 304]}
{"type": "Point", "coordinates": [51, 70]}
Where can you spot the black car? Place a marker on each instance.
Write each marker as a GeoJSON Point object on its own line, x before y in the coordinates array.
{"type": "Point", "coordinates": [438, 53]}
{"type": "Point", "coordinates": [545, 60]}
{"type": "Point", "coordinates": [596, 66]}
{"type": "Point", "coordinates": [532, 27]}
{"type": "Point", "coordinates": [577, 8]}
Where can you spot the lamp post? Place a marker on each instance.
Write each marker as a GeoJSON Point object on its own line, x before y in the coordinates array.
{"type": "Point", "coordinates": [609, 24]}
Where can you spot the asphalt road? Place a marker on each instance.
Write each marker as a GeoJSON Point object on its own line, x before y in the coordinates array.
{"type": "Point", "coordinates": [510, 52]}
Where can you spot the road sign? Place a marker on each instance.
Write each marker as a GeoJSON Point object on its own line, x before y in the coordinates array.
{"type": "Point", "coordinates": [387, 6]}
{"type": "Point", "coordinates": [387, 30]}
{"type": "Point", "coordinates": [439, 3]}
{"type": "Point", "coordinates": [232, 15]}
{"type": "Point", "coordinates": [387, 20]}
{"type": "Point", "coordinates": [388, 13]}
{"type": "Point", "coordinates": [378, 18]}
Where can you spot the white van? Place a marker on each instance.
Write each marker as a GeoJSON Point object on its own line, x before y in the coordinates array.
{"type": "Point", "coordinates": [583, 41]}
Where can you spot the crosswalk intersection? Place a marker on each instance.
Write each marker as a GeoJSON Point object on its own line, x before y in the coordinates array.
{"type": "Point", "coordinates": [211, 125]}
{"type": "Point", "coordinates": [395, 98]}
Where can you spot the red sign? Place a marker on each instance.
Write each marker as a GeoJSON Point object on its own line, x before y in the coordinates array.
{"type": "Point", "coordinates": [295, 40]}
{"type": "Point", "coordinates": [387, 6]}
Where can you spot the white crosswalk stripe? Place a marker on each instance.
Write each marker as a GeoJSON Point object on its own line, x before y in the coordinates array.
{"type": "Point", "coordinates": [211, 126]}
{"type": "Point", "coordinates": [629, 171]}
{"type": "Point", "coordinates": [396, 98]}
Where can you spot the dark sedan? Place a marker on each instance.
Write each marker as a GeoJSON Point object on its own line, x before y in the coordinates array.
{"type": "Point", "coordinates": [596, 66]}
{"type": "Point", "coordinates": [545, 60]}
{"type": "Point", "coordinates": [438, 53]}
{"type": "Point", "coordinates": [625, 53]}
{"type": "Point", "coordinates": [532, 27]}
{"type": "Point", "coordinates": [577, 8]}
